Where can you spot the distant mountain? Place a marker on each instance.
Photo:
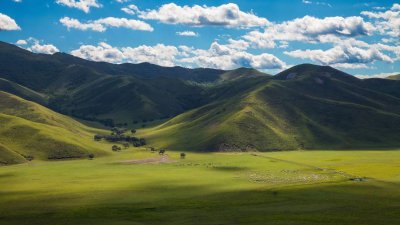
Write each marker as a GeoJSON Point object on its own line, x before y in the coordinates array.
{"type": "Point", "coordinates": [305, 107]}
{"type": "Point", "coordinates": [29, 130]}
{"type": "Point", "coordinates": [394, 77]}
{"type": "Point", "coordinates": [125, 93]}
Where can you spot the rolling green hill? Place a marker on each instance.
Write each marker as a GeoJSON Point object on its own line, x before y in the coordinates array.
{"type": "Point", "coordinates": [109, 93]}
{"type": "Point", "coordinates": [305, 107]}
{"type": "Point", "coordinates": [29, 130]}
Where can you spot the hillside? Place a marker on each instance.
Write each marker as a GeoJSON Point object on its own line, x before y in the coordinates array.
{"type": "Point", "coordinates": [394, 77]}
{"type": "Point", "coordinates": [305, 107]}
{"type": "Point", "coordinates": [19, 90]}
{"type": "Point", "coordinates": [29, 130]}
{"type": "Point", "coordinates": [109, 93]}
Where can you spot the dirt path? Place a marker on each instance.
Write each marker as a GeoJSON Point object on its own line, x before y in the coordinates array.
{"type": "Point", "coordinates": [155, 160]}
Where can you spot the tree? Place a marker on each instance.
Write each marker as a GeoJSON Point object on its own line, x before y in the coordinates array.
{"type": "Point", "coordinates": [126, 145]}
{"type": "Point", "coordinates": [142, 141]}
{"type": "Point", "coordinates": [183, 155]}
{"type": "Point", "coordinates": [91, 156]}
{"type": "Point", "coordinates": [115, 148]}
{"type": "Point", "coordinates": [133, 131]}
{"type": "Point", "coordinates": [97, 137]}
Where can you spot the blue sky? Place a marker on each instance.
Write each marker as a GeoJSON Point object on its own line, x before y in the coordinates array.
{"type": "Point", "coordinates": [360, 37]}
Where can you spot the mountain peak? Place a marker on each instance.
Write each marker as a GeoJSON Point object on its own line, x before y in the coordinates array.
{"type": "Point", "coordinates": [311, 70]}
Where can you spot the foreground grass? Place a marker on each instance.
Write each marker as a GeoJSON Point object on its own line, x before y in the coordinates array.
{"type": "Point", "coordinates": [263, 188]}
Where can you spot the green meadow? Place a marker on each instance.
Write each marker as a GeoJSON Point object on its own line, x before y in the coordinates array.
{"type": "Point", "coordinates": [296, 187]}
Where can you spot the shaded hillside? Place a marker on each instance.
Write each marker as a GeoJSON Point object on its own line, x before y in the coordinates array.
{"type": "Point", "coordinates": [109, 93]}
{"type": "Point", "coordinates": [26, 93]}
{"type": "Point", "coordinates": [29, 130]}
{"type": "Point", "coordinates": [305, 107]}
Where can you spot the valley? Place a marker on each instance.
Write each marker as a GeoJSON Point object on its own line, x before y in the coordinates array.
{"type": "Point", "coordinates": [84, 142]}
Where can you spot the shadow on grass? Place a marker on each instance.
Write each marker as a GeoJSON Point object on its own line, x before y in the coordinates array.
{"type": "Point", "coordinates": [174, 203]}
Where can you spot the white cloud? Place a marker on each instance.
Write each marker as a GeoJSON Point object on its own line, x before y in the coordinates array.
{"type": "Point", "coordinates": [45, 49]}
{"type": "Point", "coordinates": [36, 46]}
{"type": "Point", "coordinates": [8, 23]}
{"type": "Point", "coordinates": [101, 25]}
{"type": "Point", "coordinates": [310, 29]}
{"type": "Point", "coordinates": [122, 1]}
{"type": "Point", "coordinates": [228, 15]}
{"type": "Point", "coordinates": [388, 22]}
{"type": "Point", "coordinates": [159, 54]}
{"type": "Point", "coordinates": [229, 56]}
{"type": "Point", "coordinates": [83, 5]}
{"type": "Point", "coordinates": [343, 56]}
{"type": "Point", "coordinates": [21, 42]}
{"type": "Point", "coordinates": [317, 3]}
{"type": "Point", "coordinates": [130, 9]}
{"type": "Point", "coordinates": [76, 24]}
{"type": "Point", "coordinates": [18, 1]}
{"type": "Point", "coordinates": [187, 33]}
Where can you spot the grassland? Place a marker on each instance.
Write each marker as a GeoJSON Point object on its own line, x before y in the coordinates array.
{"type": "Point", "coordinates": [29, 130]}
{"type": "Point", "coordinates": [312, 187]}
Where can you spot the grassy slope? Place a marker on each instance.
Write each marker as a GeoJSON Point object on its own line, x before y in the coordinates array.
{"type": "Point", "coordinates": [23, 92]}
{"type": "Point", "coordinates": [307, 188]}
{"type": "Point", "coordinates": [29, 129]}
{"type": "Point", "coordinates": [312, 111]}
{"type": "Point", "coordinates": [394, 77]}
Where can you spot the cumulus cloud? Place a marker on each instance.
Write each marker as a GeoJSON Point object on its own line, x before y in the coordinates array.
{"type": "Point", "coordinates": [101, 25]}
{"type": "Point", "coordinates": [310, 29]}
{"type": "Point", "coordinates": [83, 5]}
{"type": "Point", "coordinates": [45, 48]}
{"type": "Point", "coordinates": [36, 47]}
{"type": "Point", "coordinates": [130, 9]}
{"type": "Point", "coordinates": [388, 22]}
{"type": "Point", "coordinates": [159, 54]}
{"type": "Point", "coordinates": [122, 1]}
{"type": "Point", "coordinates": [187, 33]}
{"type": "Point", "coordinates": [228, 15]}
{"type": "Point", "coordinates": [21, 42]}
{"type": "Point", "coordinates": [228, 56]}
{"type": "Point", "coordinates": [8, 23]}
{"type": "Point", "coordinates": [342, 56]}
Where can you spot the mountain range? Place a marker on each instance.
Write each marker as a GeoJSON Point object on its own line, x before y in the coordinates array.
{"type": "Point", "coordinates": [304, 107]}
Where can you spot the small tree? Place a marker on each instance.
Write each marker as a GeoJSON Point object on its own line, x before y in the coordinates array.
{"type": "Point", "coordinates": [115, 148]}
{"type": "Point", "coordinates": [142, 141]}
{"type": "Point", "coordinates": [97, 137]}
{"type": "Point", "coordinates": [183, 155]}
{"type": "Point", "coordinates": [91, 156]}
{"type": "Point", "coordinates": [133, 131]}
{"type": "Point", "coordinates": [126, 145]}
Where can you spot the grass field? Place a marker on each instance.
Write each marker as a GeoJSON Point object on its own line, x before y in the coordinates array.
{"type": "Point", "coordinates": [299, 187]}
